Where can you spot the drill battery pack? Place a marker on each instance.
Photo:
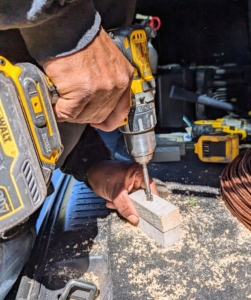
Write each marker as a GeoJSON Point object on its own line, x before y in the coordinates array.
{"type": "Point", "coordinates": [217, 149]}
{"type": "Point", "coordinates": [29, 141]}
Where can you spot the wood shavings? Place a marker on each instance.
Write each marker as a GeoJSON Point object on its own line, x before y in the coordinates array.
{"type": "Point", "coordinates": [91, 277]}
{"type": "Point", "coordinates": [212, 257]}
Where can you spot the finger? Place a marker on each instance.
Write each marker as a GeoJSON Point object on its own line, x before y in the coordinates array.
{"type": "Point", "coordinates": [140, 184]}
{"type": "Point", "coordinates": [100, 112]}
{"type": "Point", "coordinates": [83, 109]}
{"type": "Point", "coordinates": [153, 188]}
{"type": "Point", "coordinates": [68, 110]}
{"type": "Point", "coordinates": [93, 111]}
{"type": "Point", "coordinates": [98, 109]}
{"type": "Point", "coordinates": [110, 205]}
{"type": "Point", "coordinates": [117, 116]}
{"type": "Point", "coordinates": [126, 208]}
{"type": "Point", "coordinates": [139, 181]}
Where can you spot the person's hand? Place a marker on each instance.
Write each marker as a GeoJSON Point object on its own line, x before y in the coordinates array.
{"type": "Point", "coordinates": [114, 180]}
{"type": "Point", "coordinates": [93, 83]}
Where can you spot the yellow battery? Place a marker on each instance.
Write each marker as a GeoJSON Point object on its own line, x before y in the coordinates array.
{"type": "Point", "coordinates": [217, 149]}
{"type": "Point", "coordinates": [30, 142]}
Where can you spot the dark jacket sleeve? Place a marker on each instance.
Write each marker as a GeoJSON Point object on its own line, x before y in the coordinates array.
{"type": "Point", "coordinates": [54, 28]}
{"type": "Point", "coordinates": [51, 28]}
{"type": "Point", "coordinates": [89, 151]}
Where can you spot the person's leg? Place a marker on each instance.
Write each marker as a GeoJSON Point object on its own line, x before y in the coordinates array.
{"type": "Point", "coordinates": [13, 256]}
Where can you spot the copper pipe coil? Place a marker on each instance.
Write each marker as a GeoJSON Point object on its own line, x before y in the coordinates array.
{"type": "Point", "coordinates": [236, 187]}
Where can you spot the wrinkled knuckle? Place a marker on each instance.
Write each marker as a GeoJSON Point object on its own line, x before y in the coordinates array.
{"type": "Point", "coordinates": [71, 115]}
{"type": "Point", "coordinates": [109, 85]}
{"type": "Point", "coordinates": [97, 120]}
{"type": "Point", "coordinates": [90, 90]}
{"type": "Point", "coordinates": [88, 86]}
{"type": "Point", "coordinates": [123, 82]}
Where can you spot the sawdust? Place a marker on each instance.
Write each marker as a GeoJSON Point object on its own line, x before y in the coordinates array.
{"type": "Point", "coordinates": [212, 259]}
{"type": "Point", "coordinates": [92, 278]}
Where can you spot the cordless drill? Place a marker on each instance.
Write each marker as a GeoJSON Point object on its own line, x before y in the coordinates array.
{"type": "Point", "coordinates": [29, 139]}
{"type": "Point", "coordinates": [138, 129]}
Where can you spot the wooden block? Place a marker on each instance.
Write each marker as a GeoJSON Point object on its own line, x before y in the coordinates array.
{"type": "Point", "coordinates": [160, 213]}
{"type": "Point", "coordinates": [165, 239]}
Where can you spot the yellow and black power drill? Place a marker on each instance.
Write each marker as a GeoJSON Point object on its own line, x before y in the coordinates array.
{"type": "Point", "coordinates": [138, 130]}
{"type": "Point", "coordinates": [227, 125]}
{"type": "Point", "coordinates": [218, 140]}
{"type": "Point", "coordinates": [29, 139]}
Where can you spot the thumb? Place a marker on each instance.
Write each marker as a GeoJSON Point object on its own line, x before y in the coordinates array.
{"type": "Point", "coordinates": [124, 205]}
{"type": "Point", "coordinates": [58, 110]}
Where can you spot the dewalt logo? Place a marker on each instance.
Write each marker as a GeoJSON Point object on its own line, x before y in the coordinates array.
{"type": "Point", "coordinates": [4, 202]}
{"type": "Point", "coordinates": [4, 130]}
{"type": "Point", "coordinates": [6, 137]}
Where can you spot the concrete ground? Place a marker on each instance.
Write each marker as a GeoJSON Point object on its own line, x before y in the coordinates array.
{"type": "Point", "coordinates": [212, 260]}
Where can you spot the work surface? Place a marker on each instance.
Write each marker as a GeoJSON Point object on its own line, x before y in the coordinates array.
{"type": "Point", "coordinates": [212, 260]}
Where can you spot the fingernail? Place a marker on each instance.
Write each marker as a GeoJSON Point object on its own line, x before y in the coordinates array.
{"type": "Point", "coordinates": [133, 219]}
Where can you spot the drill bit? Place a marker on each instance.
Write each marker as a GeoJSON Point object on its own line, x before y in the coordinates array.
{"type": "Point", "coordinates": [149, 196]}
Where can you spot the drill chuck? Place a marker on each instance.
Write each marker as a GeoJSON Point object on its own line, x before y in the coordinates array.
{"type": "Point", "coordinates": [141, 146]}
{"type": "Point", "coordinates": [139, 133]}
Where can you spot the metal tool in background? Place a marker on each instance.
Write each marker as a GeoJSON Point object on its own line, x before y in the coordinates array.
{"type": "Point", "coordinates": [218, 140]}
{"type": "Point", "coordinates": [227, 125]}
{"type": "Point", "coordinates": [233, 124]}
{"type": "Point", "coordinates": [169, 147]}
{"type": "Point", "coordinates": [235, 188]}
{"type": "Point", "coordinates": [138, 131]}
{"type": "Point", "coordinates": [30, 143]}
{"type": "Point", "coordinates": [225, 82]}
{"type": "Point", "coordinates": [182, 94]}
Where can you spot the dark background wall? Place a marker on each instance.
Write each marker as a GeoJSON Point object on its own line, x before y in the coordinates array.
{"type": "Point", "coordinates": [195, 31]}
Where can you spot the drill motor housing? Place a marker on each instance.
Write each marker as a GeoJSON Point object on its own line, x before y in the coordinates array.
{"type": "Point", "coordinates": [138, 130]}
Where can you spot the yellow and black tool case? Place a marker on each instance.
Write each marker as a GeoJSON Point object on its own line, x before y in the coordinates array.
{"type": "Point", "coordinates": [29, 142]}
